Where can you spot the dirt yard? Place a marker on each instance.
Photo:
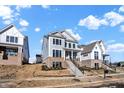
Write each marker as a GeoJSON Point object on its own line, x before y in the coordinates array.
{"type": "Point", "coordinates": [29, 71]}
{"type": "Point", "coordinates": [33, 76]}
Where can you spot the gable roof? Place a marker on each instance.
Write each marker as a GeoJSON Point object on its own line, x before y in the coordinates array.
{"type": "Point", "coordinates": [9, 27]}
{"type": "Point", "coordinates": [70, 36]}
{"type": "Point", "coordinates": [54, 34]}
{"type": "Point", "coordinates": [6, 28]}
{"type": "Point", "coordinates": [88, 48]}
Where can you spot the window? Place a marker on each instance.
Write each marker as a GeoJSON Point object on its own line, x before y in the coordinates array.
{"type": "Point", "coordinates": [57, 53]}
{"type": "Point", "coordinates": [57, 41]}
{"type": "Point", "coordinates": [57, 65]}
{"type": "Point", "coordinates": [12, 39]}
{"type": "Point", "coordinates": [96, 55]}
{"type": "Point", "coordinates": [73, 45]}
{"type": "Point", "coordinates": [11, 52]}
{"type": "Point", "coordinates": [53, 53]}
{"type": "Point", "coordinates": [16, 40]}
{"type": "Point", "coordinates": [60, 53]}
{"type": "Point", "coordinates": [65, 44]}
{"type": "Point", "coordinates": [69, 45]}
{"type": "Point", "coordinates": [53, 41]}
{"type": "Point", "coordinates": [7, 38]}
{"type": "Point", "coordinates": [60, 42]}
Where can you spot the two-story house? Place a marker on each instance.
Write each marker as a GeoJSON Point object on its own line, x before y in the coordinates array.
{"type": "Point", "coordinates": [58, 47]}
{"type": "Point", "coordinates": [14, 49]}
{"type": "Point", "coordinates": [91, 55]}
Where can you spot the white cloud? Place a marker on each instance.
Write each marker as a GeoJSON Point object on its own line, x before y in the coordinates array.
{"type": "Point", "coordinates": [121, 9]}
{"type": "Point", "coordinates": [45, 6]}
{"type": "Point", "coordinates": [5, 12]}
{"type": "Point", "coordinates": [19, 7]}
{"type": "Point", "coordinates": [37, 29]}
{"type": "Point", "coordinates": [117, 47]}
{"type": "Point", "coordinates": [122, 28]}
{"type": "Point", "coordinates": [75, 35]}
{"type": "Point", "coordinates": [23, 23]}
{"type": "Point", "coordinates": [92, 22]}
{"type": "Point", "coordinates": [110, 41]}
{"type": "Point", "coordinates": [8, 21]}
{"type": "Point", "coordinates": [114, 18]}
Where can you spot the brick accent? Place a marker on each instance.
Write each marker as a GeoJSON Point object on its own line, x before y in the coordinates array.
{"type": "Point", "coordinates": [91, 63]}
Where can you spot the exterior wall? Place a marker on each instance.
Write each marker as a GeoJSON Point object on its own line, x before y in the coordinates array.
{"type": "Point", "coordinates": [89, 60]}
{"type": "Point", "coordinates": [71, 45]}
{"type": "Point", "coordinates": [86, 57]}
{"type": "Point", "coordinates": [12, 32]}
{"type": "Point", "coordinates": [49, 61]}
{"type": "Point", "coordinates": [99, 51]}
{"type": "Point", "coordinates": [91, 63]}
{"type": "Point", "coordinates": [86, 63]}
{"type": "Point", "coordinates": [96, 61]}
{"type": "Point", "coordinates": [45, 48]}
{"type": "Point", "coordinates": [57, 47]}
{"type": "Point", "coordinates": [26, 51]}
{"type": "Point", "coordinates": [22, 41]}
{"type": "Point", "coordinates": [103, 48]}
{"type": "Point", "coordinates": [13, 60]}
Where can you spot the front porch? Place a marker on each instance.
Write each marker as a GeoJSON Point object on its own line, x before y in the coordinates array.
{"type": "Point", "coordinates": [9, 55]}
{"type": "Point", "coordinates": [71, 54]}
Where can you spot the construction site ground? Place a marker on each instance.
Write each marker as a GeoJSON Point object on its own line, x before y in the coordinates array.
{"type": "Point", "coordinates": [33, 76]}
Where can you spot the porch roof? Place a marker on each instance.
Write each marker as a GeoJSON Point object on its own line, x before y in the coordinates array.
{"type": "Point", "coordinates": [72, 49]}
{"type": "Point", "coordinates": [10, 45]}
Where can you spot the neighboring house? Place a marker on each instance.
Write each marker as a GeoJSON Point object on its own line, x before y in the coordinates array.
{"type": "Point", "coordinates": [14, 49]}
{"type": "Point", "coordinates": [92, 54]}
{"type": "Point", "coordinates": [58, 47]}
{"type": "Point", "coordinates": [121, 64]}
{"type": "Point", "coordinates": [39, 58]}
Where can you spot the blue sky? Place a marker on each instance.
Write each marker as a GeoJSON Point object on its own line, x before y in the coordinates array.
{"type": "Point", "coordinates": [87, 23]}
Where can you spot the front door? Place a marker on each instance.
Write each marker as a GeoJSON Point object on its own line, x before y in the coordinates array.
{"type": "Point", "coordinates": [96, 65]}
{"type": "Point", "coordinates": [68, 54]}
{"type": "Point", "coordinates": [74, 55]}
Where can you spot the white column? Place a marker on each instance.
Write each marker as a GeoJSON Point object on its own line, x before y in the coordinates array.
{"type": "Point", "coordinates": [72, 54]}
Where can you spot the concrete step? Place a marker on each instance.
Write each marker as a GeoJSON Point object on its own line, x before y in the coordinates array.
{"type": "Point", "coordinates": [73, 69]}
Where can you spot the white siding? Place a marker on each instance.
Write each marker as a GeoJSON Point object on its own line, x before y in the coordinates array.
{"type": "Point", "coordinates": [103, 48]}
{"type": "Point", "coordinates": [71, 45]}
{"type": "Point", "coordinates": [57, 47]}
{"type": "Point", "coordinates": [12, 32]}
{"type": "Point", "coordinates": [96, 48]}
{"type": "Point", "coordinates": [45, 48]}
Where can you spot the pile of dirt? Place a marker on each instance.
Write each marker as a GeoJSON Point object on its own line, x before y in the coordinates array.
{"type": "Point", "coordinates": [29, 71]}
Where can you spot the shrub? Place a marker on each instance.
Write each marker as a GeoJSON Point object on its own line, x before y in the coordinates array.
{"type": "Point", "coordinates": [45, 67]}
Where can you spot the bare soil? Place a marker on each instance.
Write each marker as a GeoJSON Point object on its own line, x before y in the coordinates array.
{"type": "Point", "coordinates": [29, 71]}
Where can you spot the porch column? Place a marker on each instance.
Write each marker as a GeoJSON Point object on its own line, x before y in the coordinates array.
{"type": "Point", "coordinates": [72, 54]}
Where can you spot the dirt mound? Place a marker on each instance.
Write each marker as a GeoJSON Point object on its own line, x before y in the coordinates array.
{"type": "Point", "coordinates": [29, 71]}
